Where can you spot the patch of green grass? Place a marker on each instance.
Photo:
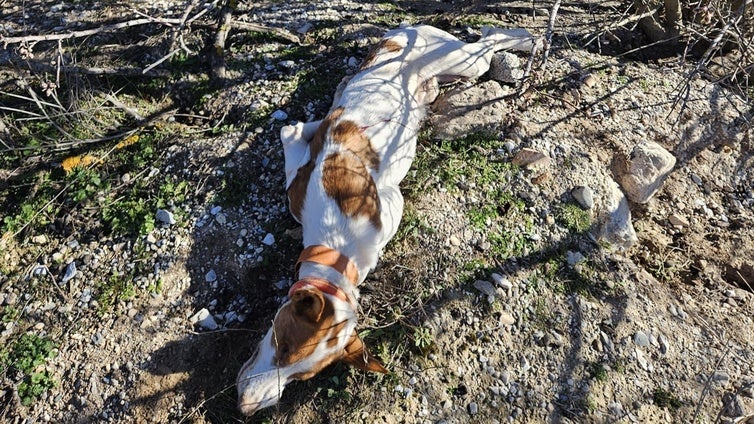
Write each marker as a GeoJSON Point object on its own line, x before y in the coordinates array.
{"type": "Point", "coordinates": [27, 355]}
{"type": "Point", "coordinates": [666, 399]}
{"type": "Point", "coordinates": [596, 371]}
{"type": "Point", "coordinates": [114, 289]}
{"type": "Point", "coordinates": [412, 225]}
{"type": "Point", "coordinates": [424, 341]}
{"type": "Point", "coordinates": [573, 217]}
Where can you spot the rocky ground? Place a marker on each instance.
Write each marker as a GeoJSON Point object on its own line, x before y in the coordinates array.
{"type": "Point", "coordinates": [530, 281]}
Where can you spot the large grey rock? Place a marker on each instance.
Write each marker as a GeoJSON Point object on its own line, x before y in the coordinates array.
{"type": "Point", "coordinates": [614, 219]}
{"type": "Point", "coordinates": [506, 67]}
{"type": "Point", "coordinates": [641, 175]}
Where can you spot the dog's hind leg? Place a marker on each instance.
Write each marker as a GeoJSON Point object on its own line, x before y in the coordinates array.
{"type": "Point", "coordinates": [295, 140]}
{"type": "Point", "coordinates": [471, 60]}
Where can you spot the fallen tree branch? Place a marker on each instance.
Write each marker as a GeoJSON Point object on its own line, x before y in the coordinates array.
{"type": "Point", "coordinates": [628, 20]}
{"type": "Point", "coordinates": [87, 32]}
{"type": "Point", "coordinates": [127, 71]}
{"type": "Point", "coordinates": [277, 32]}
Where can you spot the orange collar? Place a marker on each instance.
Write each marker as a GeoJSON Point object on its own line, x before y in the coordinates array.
{"type": "Point", "coordinates": [324, 255]}
{"type": "Point", "coordinates": [322, 285]}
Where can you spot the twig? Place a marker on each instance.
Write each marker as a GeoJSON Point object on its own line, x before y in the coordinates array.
{"type": "Point", "coordinates": [630, 19]}
{"type": "Point", "coordinates": [43, 66]}
{"type": "Point", "coordinates": [708, 383]}
{"type": "Point", "coordinates": [87, 32]}
{"type": "Point", "coordinates": [112, 99]}
{"type": "Point", "coordinates": [278, 32]}
{"type": "Point", "coordinates": [158, 62]}
{"type": "Point", "coordinates": [549, 32]}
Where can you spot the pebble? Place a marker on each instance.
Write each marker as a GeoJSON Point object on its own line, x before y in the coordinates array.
{"type": "Point", "coordinates": [204, 319]}
{"type": "Point", "coordinates": [506, 319]}
{"type": "Point", "coordinates": [583, 195]}
{"type": "Point", "coordinates": [473, 408]}
{"type": "Point", "coordinates": [268, 240]}
{"type": "Point", "coordinates": [664, 344]}
{"type": "Point", "coordinates": [485, 287]}
{"type": "Point", "coordinates": [166, 217]}
{"type": "Point", "coordinates": [211, 276]}
{"type": "Point", "coordinates": [696, 179]}
{"type": "Point", "coordinates": [502, 281]}
{"type": "Point", "coordinates": [215, 210]}
{"type": "Point", "coordinates": [70, 272]}
{"type": "Point", "coordinates": [641, 339]}
{"type": "Point", "coordinates": [279, 115]}
{"type": "Point", "coordinates": [220, 218]}
{"type": "Point", "coordinates": [39, 239]}
{"type": "Point", "coordinates": [574, 258]}
{"type": "Point", "coordinates": [678, 220]}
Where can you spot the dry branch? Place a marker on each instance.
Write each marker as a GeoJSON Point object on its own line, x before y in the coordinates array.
{"type": "Point", "coordinates": [550, 31]}
{"type": "Point", "coordinates": [87, 32]}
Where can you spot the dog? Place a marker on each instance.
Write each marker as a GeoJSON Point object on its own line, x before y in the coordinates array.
{"type": "Point", "coordinates": [342, 178]}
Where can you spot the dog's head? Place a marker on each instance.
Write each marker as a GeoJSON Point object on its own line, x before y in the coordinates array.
{"type": "Point", "coordinates": [310, 331]}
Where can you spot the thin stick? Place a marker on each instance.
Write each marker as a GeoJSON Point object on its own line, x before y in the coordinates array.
{"type": "Point", "coordinates": [112, 99]}
{"type": "Point", "coordinates": [619, 24]}
{"type": "Point", "coordinates": [87, 32]}
{"type": "Point", "coordinates": [549, 32]}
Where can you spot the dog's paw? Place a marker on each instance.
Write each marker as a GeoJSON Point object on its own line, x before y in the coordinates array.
{"type": "Point", "coordinates": [292, 133]}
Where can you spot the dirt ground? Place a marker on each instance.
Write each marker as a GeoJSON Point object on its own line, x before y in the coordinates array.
{"type": "Point", "coordinates": [576, 328]}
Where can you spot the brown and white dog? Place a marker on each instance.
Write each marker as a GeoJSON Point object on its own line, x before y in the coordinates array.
{"type": "Point", "coordinates": [342, 176]}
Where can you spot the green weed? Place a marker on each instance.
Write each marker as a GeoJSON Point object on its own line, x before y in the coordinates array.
{"type": "Point", "coordinates": [26, 355]}
{"type": "Point", "coordinates": [114, 289]}
{"type": "Point", "coordinates": [573, 217]}
{"type": "Point", "coordinates": [665, 399]}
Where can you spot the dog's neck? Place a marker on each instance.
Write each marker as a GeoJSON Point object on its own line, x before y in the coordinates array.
{"type": "Point", "coordinates": [330, 271]}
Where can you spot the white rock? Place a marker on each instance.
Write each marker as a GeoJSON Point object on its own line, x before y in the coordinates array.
{"type": "Point", "coordinates": [164, 216]}
{"type": "Point", "coordinates": [583, 195]}
{"type": "Point", "coordinates": [502, 281]}
{"type": "Point", "coordinates": [506, 67]}
{"type": "Point", "coordinates": [269, 239]}
{"type": "Point", "coordinates": [211, 276]}
{"type": "Point", "coordinates": [204, 319]}
{"type": "Point", "coordinates": [643, 174]}
{"type": "Point", "coordinates": [574, 258]}
{"type": "Point", "coordinates": [279, 115]}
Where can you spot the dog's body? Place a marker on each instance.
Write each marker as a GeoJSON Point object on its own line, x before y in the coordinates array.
{"type": "Point", "coordinates": [343, 175]}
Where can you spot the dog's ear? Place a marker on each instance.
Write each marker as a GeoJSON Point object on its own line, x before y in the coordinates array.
{"type": "Point", "coordinates": [308, 304]}
{"type": "Point", "coordinates": [357, 356]}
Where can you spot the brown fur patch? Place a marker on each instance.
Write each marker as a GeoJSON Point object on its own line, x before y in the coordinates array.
{"type": "Point", "coordinates": [296, 337]}
{"type": "Point", "coordinates": [385, 45]}
{"type": "Point", "coordinates": [347, 180]}
{"type": "Point", "coordinates": [297, 190]}
{"type": "Point", "coordinates": [350, 136]}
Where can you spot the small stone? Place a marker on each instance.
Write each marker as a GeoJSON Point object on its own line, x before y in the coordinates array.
{"type": "Point", "coordinates": [473, 408]}
{"type": "Point", "coordinates": [574, 258]}
{"type": "Point", "coordinates": [485, 287]}
{"type": "Point", "coordinates": [39, 239]}
{"type": "Point", "coordinates": [286, 64]}
{"type": "Point", "coordinates": [641, 339]}
{"type": "Point", "coordinates": [590, 81]}
{"type": "Point", "coordinates": [531, 159]}
{"type": "Point", "coordinates": [640, 358]}
{"type": "Point", "coordinates": [506, 319]}
{"type": "Point", "coordinates": [70, 272]}
{"type": "Point", "coordinates": [215, 210]}
{"type": "Point", "coordinates": [678, 220]}
{"type": "Point", "coordinates": [454, 240]}
{"type": "Point", "coordinates": [353, 62]}
{"type": "Point", "coordinates": [696, 179]}
{"type": "Point", "coordinates": [166, 217]}
{"type": "Point", "coordinates": [583, 195]}
{"type": "Point", "coordinates": [220, 218]}
{"type": "Point", "coordinates": [211, 276]}
{"type": "Point", "coordinates": [721, 377]}
{"type": "Point", "coordinates": [664, 344]}
{"type": "Point", "coordinates": [303, 29]}
{"type": "Point", "coordinates": [642, 174]}
{"type": "Point", "coordinates": [502, 281]}
{"type": "Point", "coordinates": [279, 115]}
{"type": "Point", "coordinates": [412, 381]}
{"type": "Point", "coordinates": [204, 319]}
{"type": "Point", "coordinates": [269, 239]}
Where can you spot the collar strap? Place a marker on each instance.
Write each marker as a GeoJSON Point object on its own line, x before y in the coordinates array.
{"type": "Point", "coordinates": [322, 285]}
{"type": "Point", "coordinates": [324, 255]}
